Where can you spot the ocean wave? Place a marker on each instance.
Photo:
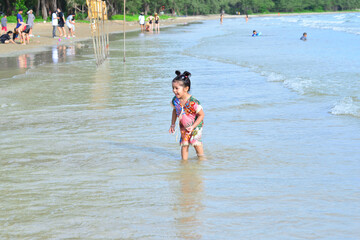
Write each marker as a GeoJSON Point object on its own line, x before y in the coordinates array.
{"type": "Point", "coordinates": [5, 105]}
{"type": "Point", "coordinates": [347, 106]}
{"type": "Point", "coordinates": [342, 25]}
{"type": "Point", "coordinates": [273, 77]}
{"type": "Point", "coordinates": [299, 85]}
{"type": "Point", "coordinates": [289, 19]}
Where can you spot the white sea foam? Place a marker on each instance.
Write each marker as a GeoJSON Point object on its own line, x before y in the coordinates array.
{"type": "Point", "coordinates": [347, 106]}
{"type": "Point", "coordinates": [299, 85]}
{"type": "Point", "coordinates": [289, 19]}
{"type": "Point", "coordinates": [275, 77]}
{"type": "Point", "coordinates": [342, 16]}
{"type": "Point", "coordinates": [340, 25]}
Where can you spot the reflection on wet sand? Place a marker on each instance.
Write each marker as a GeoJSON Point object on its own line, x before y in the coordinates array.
{"type": "Point", "coordinates": [61, 52]}
{"type": "Point", "coordinates": [100, 87]}
{"type": "Point", "coordinates": [190, 201]}
{"type": "Point", "coordinates": [23, 61]}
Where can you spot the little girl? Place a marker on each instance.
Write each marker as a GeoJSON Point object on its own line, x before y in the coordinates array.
{"type": "Point", "coordinates": [190, 114]}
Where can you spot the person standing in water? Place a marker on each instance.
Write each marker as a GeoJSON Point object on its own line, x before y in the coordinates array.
{"type": "Point", "coordinates": [190, 114]}
{"type": "Point", "coordinates": [157, 27]}
{"type": "Point", "coordinates": [221, 17]}
{"type": "Point", "coordinates": [142, 21]}
{"type": "Point", "coordinates": [151, 20]}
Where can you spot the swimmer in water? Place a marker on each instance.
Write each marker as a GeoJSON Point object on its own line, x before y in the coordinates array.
{"type": "Point", "coordinates": [304, 37]}
{"type": "Point", "coordinates": [255, 34]}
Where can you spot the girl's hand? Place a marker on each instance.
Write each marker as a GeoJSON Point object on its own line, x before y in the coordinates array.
{"type": "Point", "coordinates": [172, 128]}
{"type": "Point", "coordinates": [190, 129]}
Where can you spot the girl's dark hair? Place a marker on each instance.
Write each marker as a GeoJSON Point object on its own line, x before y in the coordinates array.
{"type": "Point", "coordinates": [184, 78]}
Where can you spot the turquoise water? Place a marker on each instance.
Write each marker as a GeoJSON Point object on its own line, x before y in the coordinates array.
{"type": "Point", "coordinates": [85, 151]}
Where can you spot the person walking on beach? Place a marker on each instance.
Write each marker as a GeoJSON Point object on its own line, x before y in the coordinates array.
{"type": "Point", "coordinates": [190, 114]}
{"type": "Point", "coordinates": [150, 19]}
{"type": "Point", "coordinates": [142, 21]}
{"type": "Point", "coordinates": [54, 22]}
{"type": "Point", "coordinates": [157, 19]}
{"type": "Point", "coordinates": [4, 25]}
{"type": "Point", "coordinates": [70, 23]}
{"type": "Point", "coordinates": [30, 21]}
{"type": "Point", "coordinates": [61, 23]}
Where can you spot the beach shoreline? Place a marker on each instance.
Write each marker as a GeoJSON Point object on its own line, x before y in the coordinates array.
{"type": "Point", "coordinates": [43, 34]}
{"type": "Point", "coordinates": [43, 31]}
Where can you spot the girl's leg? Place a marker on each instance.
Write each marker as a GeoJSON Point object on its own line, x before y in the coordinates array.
{"type": "Point", "coordinates": [184, 152]}
{"type": "Point", "coordinates": [199, 151]}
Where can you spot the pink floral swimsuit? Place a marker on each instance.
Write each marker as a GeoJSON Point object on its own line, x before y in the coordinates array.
{"type": "Point", "coordinates": [187, 116]}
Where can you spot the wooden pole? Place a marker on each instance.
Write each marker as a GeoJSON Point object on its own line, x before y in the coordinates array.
{"type": "Point", "coordinates": [124, 28]}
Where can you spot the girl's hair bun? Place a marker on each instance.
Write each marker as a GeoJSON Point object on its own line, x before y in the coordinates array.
{"type": "Point", "coordinates": [184, 78]}
{"type": "Point", "coordinates": [186, 73]}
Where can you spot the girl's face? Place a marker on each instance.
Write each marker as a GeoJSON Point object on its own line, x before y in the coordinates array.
{"type": "Point", "coordinates": [179, 89]}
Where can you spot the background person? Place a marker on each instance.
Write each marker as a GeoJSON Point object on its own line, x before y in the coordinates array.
{"type": "Point", "coordinates": [18, 34]}
{"type": "Point", "coordinates": [7, 38]}
{"type": "Point", "coordinates": [4, 25]}
{"type": "Point", "coordinates": [255, 33]}
{"type": "Point", "coordinates": [142, 21]}
{"type": "Point", "coordinates": [70, 23]}
{"type": "Point", "coordinates": [157, 19]}
{"type": "Point", "coordinates": [304, 37]}
{"type": "Point", "coordinates": [61, 23]}
{"type": "Point", "coordinates": [151, 21]}
{"type": "Point", "coordinates": [54, 22]}
{"type": "Point", "coordinates": [30, 21]}
{"type": "Point", "coordinates": [19, 19]}
{"type": "Point", "coordinates": [26, 34]}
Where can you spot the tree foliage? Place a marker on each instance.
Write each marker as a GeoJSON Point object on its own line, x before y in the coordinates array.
{"type": "Point", "coordinates": [181, 7]}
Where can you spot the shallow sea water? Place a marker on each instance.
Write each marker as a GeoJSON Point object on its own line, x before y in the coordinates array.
{"type": "Point", "coordinates": [86, 154]}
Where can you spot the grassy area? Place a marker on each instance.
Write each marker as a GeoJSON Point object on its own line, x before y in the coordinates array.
{"type": "Point", "coordinates": [135, 18]}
